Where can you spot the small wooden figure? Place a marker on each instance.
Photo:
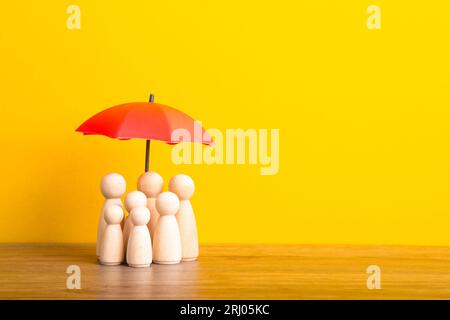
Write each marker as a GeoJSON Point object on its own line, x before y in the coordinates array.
{"type": "Point", "coordinates": [113, 186]}
{"type": "Point", "coordinates": [139, 250]}
{"type": "Point", "coordinates": [151, 183]}
{"type": "Point", "coordinates": [134, 199]}
{"type": "Point", "coordinates": [183, 186]}
{"type": "Point", "coordinates": [166, 239]}
{"type": "Point", "coordinates": [111, 249]}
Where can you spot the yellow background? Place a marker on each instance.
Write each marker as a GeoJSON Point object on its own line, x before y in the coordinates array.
{"type": "Point", "coordinates": [363, 115]}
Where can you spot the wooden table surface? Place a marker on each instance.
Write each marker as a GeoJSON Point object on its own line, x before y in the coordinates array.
{"type": "Point", "coordinates": [231, 272]}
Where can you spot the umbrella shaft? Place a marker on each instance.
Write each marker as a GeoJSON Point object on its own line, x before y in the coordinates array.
{"type": "Point", "coordinates": [147, 143]}
{"type": "Point", "coordinates": [147, 154]}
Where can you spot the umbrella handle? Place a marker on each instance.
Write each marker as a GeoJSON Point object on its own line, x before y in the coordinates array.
{"type": "Point", "coordinates": [147, 142]}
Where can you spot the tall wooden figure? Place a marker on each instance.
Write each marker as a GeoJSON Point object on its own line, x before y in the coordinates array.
{"type": "Point", "coordinates": [151, 183]}
{"type": "Point", "coordinates": [111, 249]}
{"type": "Point", "coordinates": [134, 199]}
{"type": "Point", "coordinates": [183, 186]}
{"type": "Point", "coordinates": [139, 250]}
{"type": "Point", "coordinates": [166, 239]}
{"type": "Point", "coordinates": [113, 186]}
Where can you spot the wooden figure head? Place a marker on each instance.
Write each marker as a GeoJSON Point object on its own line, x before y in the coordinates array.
{"type": "Point", "coordinates": [135, 199]}
{"type": "Point", "coordinates": [113, 185]}
{"type": "Point", "coordinates": [140, 216]}
{"type": "Point", "coordinates": [182, 185]}
{"type": "Point", "coordinates": [113, 214]}
{"type": "Point", "coordinates": [150, 183]}
{"type": "Point", "coordinates": [167, 204]}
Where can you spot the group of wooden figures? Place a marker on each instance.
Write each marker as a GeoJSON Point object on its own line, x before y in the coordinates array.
{"type": "Point", "coordinates": [159, 228]}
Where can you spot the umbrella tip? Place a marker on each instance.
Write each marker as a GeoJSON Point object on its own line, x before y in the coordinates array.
{"type": "Point", "coordinates": [152, 97]}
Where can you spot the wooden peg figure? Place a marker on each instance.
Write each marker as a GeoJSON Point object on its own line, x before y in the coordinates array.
{"type": "Point", "coordinates": [111, 249]}
{"type": "Point", "coordinates": [139, 250]}
{"type": "Point", "coordinates": [112, 186]}
{"type": "Point", "coordinates": [166, 239]}
{"type": "Point", "coordinates": [134, 199]}
{"type": "Point", "coordinates": [183, 186]}
{"type": "Point", "coordinates": [151, 183]}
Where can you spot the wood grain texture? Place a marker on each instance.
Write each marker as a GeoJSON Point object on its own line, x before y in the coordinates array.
{"type": "Point", "coordinates": [231, 272]}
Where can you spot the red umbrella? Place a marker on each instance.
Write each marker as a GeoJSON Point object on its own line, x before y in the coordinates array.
{"type": "Point", "coordinates": [144, 120]}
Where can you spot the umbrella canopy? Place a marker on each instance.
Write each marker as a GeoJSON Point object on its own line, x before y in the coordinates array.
{"type": "Point", "coordinates": [144, 120]}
